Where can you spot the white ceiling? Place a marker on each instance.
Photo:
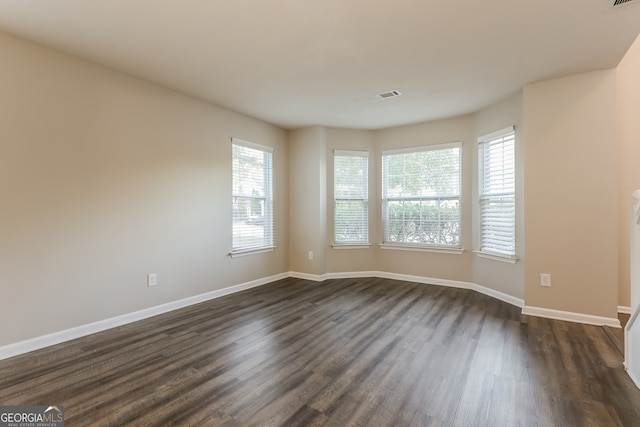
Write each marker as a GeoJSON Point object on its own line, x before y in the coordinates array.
{"type": "Point", "coordinates": [297, 63]}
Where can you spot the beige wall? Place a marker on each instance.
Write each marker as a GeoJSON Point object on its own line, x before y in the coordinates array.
{"type": "Point", "coordinates": [308, 194]}
{"type": "Point", "coordinates": [571, 179]}
{"type": "Point", "coordinates": [628, 94]}
{"type": "Point", "coordinates": [497, 275]}
{"type": "Point", "coordinates": [105, 178]}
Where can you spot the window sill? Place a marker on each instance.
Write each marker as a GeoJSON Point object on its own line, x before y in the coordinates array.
{"type": "Point", "coordinates": [351, 245]}
{"type": "Point", "coordinates": [253, 251]}
{"type": "Point", "coordinates": [510, 259]}
{"type": "Point", "coordinates": [453, 251]}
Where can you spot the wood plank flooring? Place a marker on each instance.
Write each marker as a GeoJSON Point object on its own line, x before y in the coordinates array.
{"type": "Point", "coordinates": [369, 352]}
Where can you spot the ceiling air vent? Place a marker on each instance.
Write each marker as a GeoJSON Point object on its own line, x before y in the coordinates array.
{"type": "Point", "coordinates": [392, 93]}
{"type": "Point", "coordinates": [622, 3]}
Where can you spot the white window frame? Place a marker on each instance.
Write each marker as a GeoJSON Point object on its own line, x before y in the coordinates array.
{"type": "Point", "coordinates": [497, 235]}
{"type": "Point", "coordinates": [455, 195]}
{"type": "Point", "coordinates": [240, 224]}
{"type": "Point", "coordinates": [342, 195]}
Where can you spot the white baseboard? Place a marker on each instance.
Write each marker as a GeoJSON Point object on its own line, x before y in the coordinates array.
{"type": "Point", "coordinates": [37, 343]}
{"type": "Point", "coordinates": [518, 302]}
{"type": "Point", "coordinates": [425, 280]}
{"type": "Point", "coordinates": [571, 317]}
{"type": "Point", "coordinates": [352, 274]}
{"type": "Point", "coordinates": [307, 276]}
{"type": "Point", "coordinates": [623, 309]}
{"type": "Point", "coordinates": [510, 299]}
{"type": "Point", "coordinates": [635, 379]}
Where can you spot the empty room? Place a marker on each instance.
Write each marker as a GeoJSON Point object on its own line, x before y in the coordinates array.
{"type": "Point", "coordinates": [297, 213]}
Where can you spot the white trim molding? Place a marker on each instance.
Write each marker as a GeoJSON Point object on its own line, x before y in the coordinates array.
{"type": "Point", "coordinates": [509, 299]}
{"type": "Point", "coordinates": [422, 279]}
{"type": "Point", "coordinates": [309, 276]}
{"type": "Point", "coordinates": [351, 246]}
{"type": "Point", "coordinates": [511, 259]}
{"type": "Point", "coordinates": [571, 317]}
{"type": "Point", "coordinates": [623, 309]}
{"type": "Point", "coordinates": [414, 248]}
{"type": "Point", "coordinates": [37, 343]}
{"type": "Point", "coordinates": [245, 252]}
{"type": "Point", "coordinates": [351, 275]}
{"type": "Point", "coordinates": [635, 380]}
{"type": "Point", "coordinates": [54, 338]}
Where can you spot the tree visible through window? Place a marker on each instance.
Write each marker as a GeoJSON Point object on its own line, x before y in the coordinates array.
{"type": "Point", "coordinates": [252, 197]}
{"type": "Point", "coordinates": [351, 197]}
{"type": "Point", "coordinates": [421, 196]}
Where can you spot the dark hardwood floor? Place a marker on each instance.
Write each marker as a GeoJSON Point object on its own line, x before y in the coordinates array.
{"type": "Point", "coordinates": [370, 352]}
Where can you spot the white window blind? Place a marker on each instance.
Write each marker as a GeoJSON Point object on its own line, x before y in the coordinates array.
{"type": "Point", "coordinates": [421, 196]}
{"type": "Point", "coordinates": [496, 155]}
{"type": "Point", "coordinates": [351, 197]}
{"type": "Point", "coordinates": [252, 196]}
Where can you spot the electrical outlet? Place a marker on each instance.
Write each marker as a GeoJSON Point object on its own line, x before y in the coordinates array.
{"type": "Point", "coordinates": [310, 255]}
{"type": "Point", "coordinates": [545, 280]}
{"type": "Point", "coordinates": [152, 279]}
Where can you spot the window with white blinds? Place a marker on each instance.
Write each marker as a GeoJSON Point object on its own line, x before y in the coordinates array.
{"type": "Point", "coordinates": [421, 196]}
{"type": "Point", "coordinates": [351, 197]}
{"type": "Point", "coordinates": [252, 196]}
{"type": "Point", "coordinates": [497, 179]}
